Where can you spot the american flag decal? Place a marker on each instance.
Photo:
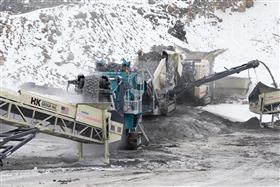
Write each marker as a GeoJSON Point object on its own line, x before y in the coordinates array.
{"type": "Point", "coordinates": [64, 110]}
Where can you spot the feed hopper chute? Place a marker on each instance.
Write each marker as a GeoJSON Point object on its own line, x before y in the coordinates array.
{"type": "Point", "coordinates": [264, 99]}
{"type": "Point", "coordinates": [162, 70]}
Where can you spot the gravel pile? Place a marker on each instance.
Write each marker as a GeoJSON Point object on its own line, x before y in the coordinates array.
{"type": "Point", "coordinates": [187, 123]}
{"type": "Point", "coordinates": [252, 123]}
{"type": "Point", "coordinates": [91, 88]}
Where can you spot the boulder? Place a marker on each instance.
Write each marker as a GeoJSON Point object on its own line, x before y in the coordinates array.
{"type": "Point", "coordinates": [170, 9]}
{"type": "Point", "coordinates": [249, 3]}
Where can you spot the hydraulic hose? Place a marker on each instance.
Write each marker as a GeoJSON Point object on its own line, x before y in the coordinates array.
{"type": "Point", "coordinates": [274, 82]}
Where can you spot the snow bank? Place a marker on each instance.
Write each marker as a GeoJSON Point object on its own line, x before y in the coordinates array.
{"type": "Point", "coordinates": [234, 112]}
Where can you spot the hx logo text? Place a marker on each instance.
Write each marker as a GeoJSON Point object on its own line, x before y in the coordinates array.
{"type": "Point", "coordinates": [35, 101]}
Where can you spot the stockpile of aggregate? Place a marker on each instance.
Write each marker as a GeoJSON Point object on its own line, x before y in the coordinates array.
{"type": "Point", "coordinates": [186, 123]}
{"type": "Point", "coordinates": [91, 88]}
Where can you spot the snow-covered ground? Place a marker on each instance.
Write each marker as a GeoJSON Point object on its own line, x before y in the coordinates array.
{"type": "Point", "coordinates": [189, 148]}
{"type": "Point", "coordinates": [234, 112]}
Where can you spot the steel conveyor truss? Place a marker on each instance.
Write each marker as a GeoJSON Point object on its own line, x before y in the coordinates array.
{"type": "Point", "coordinates": [14, 139]}
{"type": "Point", "coordinates": [24, 116]}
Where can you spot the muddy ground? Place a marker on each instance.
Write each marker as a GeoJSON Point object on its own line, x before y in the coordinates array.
{"type": "Point", "coordinates": [190, 147]}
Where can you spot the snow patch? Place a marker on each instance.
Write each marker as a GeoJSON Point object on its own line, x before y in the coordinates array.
{"type": "Point", "coordinates": [234, 112]}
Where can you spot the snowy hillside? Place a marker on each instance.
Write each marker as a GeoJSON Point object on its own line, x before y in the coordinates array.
{"type": "Point", "coordinates": [250, 35]}
{"type": "Point", "coordinates": [52, 45]}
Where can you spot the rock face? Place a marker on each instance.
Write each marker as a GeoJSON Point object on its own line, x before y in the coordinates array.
{"type": "Point", "coordinates": [179, 16]}
{"type": "Point", "coordinates": [178, 31]}
{"type": "Point", "coordinates": [23, 6]}
{"type": "Point", "coordinates": [204, 8]}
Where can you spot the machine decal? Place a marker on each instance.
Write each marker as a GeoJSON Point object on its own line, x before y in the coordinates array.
{"type": "Point", "coordinates": [43, 104]}
{"type": "Point", "coordinates": [49, 105]}
{"type": "Point", "coordinates": [82, 115]}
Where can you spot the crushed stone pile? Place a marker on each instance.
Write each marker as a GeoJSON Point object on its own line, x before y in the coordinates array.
{"type": "Point", "coordinates": [252, 123]}
{"type": "Point", "coordinates": [188, 123]}
{"type": "Point", "coordinates": [91, 88]}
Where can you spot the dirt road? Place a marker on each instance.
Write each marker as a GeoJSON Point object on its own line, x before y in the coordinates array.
{"type": "Point", "coordinates": [191, 147]}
